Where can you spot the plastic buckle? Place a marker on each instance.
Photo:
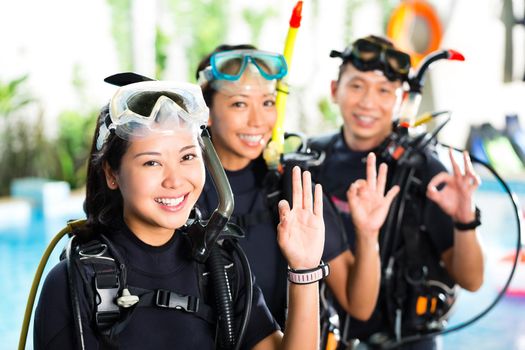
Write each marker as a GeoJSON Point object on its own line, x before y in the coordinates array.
{"type": "Point", "coordinates": [105, 320]}
{"type": "Point", "coordinates": [107, 311]}
{"type": "Point", "coordinates": [172, 300]}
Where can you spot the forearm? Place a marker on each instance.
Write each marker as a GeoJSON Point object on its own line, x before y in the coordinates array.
{"type": "Point", "coordinates": [302, 323]}
{"type": "Point", "coordinates": [467, 260]}
{"type": "Point", "coordinates": [364, 279]}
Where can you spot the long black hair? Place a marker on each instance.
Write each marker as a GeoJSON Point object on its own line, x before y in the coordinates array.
{"type": "Point", "coordinates": [103, 206]}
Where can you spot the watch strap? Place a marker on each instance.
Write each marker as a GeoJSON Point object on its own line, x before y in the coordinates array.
{"type": "Point", "coordinates": [308, 276]}
{"type": "Point", "coordinates": [469, 225]}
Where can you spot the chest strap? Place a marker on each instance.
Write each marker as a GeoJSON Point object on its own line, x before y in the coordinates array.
{"type": "Point", "coordinates": [171, 300]}
{"type": "Point", "coordinates": [108, 285]}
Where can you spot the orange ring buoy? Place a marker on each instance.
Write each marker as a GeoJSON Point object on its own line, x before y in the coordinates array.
{"type": "Point", "coordinates": [400, 28]}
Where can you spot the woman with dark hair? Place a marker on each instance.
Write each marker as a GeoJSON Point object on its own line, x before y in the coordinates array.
{"type": "Point", "coordinates": [239, 87]}
{"type": "Point", "coordinates": [129, 280]}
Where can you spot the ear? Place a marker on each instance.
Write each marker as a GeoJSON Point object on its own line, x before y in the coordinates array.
{"type": "Point", "coordinates": [333, 90]}
{"type": "Point", "coordinates": [111, 178]}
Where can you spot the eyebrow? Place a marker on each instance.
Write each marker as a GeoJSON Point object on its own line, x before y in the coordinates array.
{"type": "Point", "coordinates": [363, 80]}
{"type": "Point", "coordinates": [187, 148]}
{"type": "Point", "coordinates": [146, 154]}
{"type": "Point", "coordinates": [271, 94]}
{"type": "Point", "coordinates": [158, 153]}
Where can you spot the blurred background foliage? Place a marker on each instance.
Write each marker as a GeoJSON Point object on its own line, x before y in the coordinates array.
{"type": "Point", "coordinates": [24, 147]}
{"type": "Point", "coordinates": [200, 26]}
{"type": "Point", "coordinates": [122, 32]}
{"type": "Point", "coordinates": [73, 145]}
{"type": "Point", "coordinates": [29, 151]}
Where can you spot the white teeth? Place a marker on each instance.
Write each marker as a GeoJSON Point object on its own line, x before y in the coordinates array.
{"type": "Point", "coordinates": [251, 138]}
{"type": "Point", "coordinates": [171, 202]}
{"type": "Point", "coordinates": [365, 118]}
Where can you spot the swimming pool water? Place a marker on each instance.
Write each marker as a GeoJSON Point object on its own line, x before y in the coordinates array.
{"type": "Point", "coordinates": [22, 244]}
{"type": "Point", "coordinates": [21, 248]}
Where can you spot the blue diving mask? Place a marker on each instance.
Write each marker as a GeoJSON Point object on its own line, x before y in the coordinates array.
{"type": "Point", "coordinates": [230, 65]}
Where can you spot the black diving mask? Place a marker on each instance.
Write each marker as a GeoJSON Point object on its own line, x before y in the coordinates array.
{"type": "Point", "coordinates": [366, 54]}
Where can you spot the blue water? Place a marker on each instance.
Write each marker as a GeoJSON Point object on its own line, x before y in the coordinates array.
{"type": "Point", "coordinates": [22, 244]}
{"type": "Point", "coordinates": [21, 248]}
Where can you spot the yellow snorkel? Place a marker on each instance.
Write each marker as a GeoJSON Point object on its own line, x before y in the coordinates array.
{"type": "Point", "coordinates": [274, 149]}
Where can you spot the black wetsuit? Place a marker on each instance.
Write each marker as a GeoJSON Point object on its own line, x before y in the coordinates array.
{"type": "Point", "coordinates": [343, 166]}
{"type": "Point", "coordinates": [164, 267]}
{"type": "Point", "coordinates": [260, 244]}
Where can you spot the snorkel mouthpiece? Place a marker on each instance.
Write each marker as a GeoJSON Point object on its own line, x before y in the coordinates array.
{"type": "Point", "coordinates": [455, 55]}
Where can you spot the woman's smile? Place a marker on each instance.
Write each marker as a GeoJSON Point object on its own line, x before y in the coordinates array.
{"type": "Point", "coordinates": [172, 203]}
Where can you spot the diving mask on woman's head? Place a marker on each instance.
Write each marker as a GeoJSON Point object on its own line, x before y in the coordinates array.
{"type": "Point", "coordinates": [154, 107]}
{"type": "Point", "coordinates": [227, 68]}
{"type": "Point", "coordinates": [367, 54]}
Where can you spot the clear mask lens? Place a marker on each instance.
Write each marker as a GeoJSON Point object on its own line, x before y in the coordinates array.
{"type": "Point", "coordinates": [141, 109]}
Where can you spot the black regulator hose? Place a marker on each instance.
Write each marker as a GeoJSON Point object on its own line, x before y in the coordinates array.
{"type": "Point", "coordinates": [248, 285]}
{"type": "Point", "coordinates": [416, 82]}
{"type": "Point", "coordinates": [223, 298]}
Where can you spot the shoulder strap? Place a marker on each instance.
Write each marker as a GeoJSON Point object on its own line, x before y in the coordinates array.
{"type": "Point", "coordinates": [102, 274]}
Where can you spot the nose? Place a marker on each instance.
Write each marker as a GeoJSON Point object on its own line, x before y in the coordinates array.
{"type": "Point", "coordinates": [255, 116]}
{"type": "Point", "coordinates": [172, 176]}
{"type": "Point", "coordinates": [368, 99]}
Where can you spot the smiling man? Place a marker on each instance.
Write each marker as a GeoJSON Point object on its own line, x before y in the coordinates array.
{"type": "Point", "coordinates": [368, 92]}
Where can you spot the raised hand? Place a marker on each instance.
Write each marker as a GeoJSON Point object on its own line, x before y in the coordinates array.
{"type": "Point", "coordinates": [368, 204]}
{"type": "Point", "coordinates": [300, 232]}
{"type": "Point", "coordinates": [455, 198]}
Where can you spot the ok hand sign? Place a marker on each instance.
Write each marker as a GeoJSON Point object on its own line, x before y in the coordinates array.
{"type": "Point", "coordinates": [367, 201]}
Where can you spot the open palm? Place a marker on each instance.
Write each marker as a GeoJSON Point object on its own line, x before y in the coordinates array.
{"type": "Point", "coordinates": [300, 232]}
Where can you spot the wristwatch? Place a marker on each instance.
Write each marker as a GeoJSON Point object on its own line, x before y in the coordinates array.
{"type": "Point", "coordinates": [308, 276]}
{"type": "Point", "coordinates": [469, 225]}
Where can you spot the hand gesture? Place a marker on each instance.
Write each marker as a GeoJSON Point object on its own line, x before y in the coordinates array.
{"type": "Point", "coordinates": [455, 198]}
{"type": "Point", "coordinates": [368, 204]}
{"type": "Point", "coordinates": [300, 232]}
